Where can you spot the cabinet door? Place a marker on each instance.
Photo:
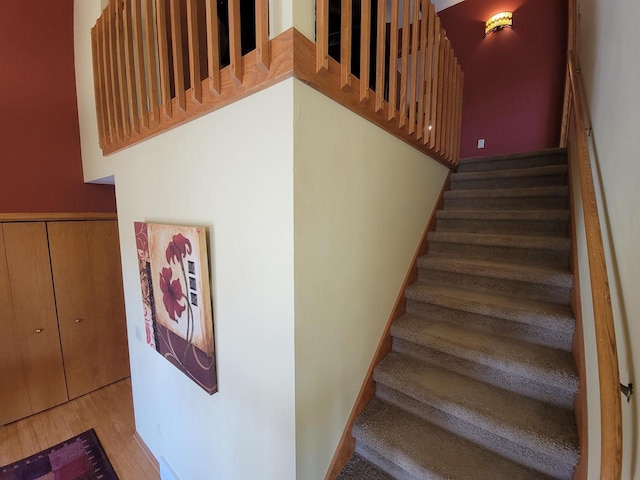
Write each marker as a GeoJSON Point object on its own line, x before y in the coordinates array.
{"type": "Point", "coordinates": [14, 395]}
{"type": "Point", "coordinates": [85, 260]}
{"type": "Point", "coordinates": [34, 308]}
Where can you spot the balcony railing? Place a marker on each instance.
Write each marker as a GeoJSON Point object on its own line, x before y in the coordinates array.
{"type": "Point", "coordinates": [391, 61]}
{"type": "Point", "coordinates": [160, 63]}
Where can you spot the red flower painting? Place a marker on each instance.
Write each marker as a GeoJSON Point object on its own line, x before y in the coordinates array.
{"type": "Point", "coordinates": [179, 248]}
{"type": "Point", "coordinates": [171, 294]}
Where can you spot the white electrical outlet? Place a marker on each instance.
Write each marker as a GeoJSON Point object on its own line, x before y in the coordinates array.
{"type": "Point", "coordinates": [481, 143]}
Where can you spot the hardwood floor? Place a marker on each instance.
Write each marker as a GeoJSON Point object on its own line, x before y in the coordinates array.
{"type": "Point", "coordinates": [109, 411]}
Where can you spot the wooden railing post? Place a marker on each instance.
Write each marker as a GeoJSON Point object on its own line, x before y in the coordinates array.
{"type": "Point", "coordinates": [262, 34]}
{"type": "Point", "coordinates": [322, 35]}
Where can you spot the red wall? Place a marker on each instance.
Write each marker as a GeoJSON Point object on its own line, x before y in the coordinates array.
{"type": "Point", "coordinates": [514, 79]}
{"type": "Point", "coordinates": [40, 163]}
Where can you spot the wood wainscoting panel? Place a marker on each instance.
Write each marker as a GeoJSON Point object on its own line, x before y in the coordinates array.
{"type": "Point", "coordinates": [35, 313]}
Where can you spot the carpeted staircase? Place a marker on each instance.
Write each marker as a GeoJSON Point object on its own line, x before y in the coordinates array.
{"type": "Point", "coordinates": [481, 381]}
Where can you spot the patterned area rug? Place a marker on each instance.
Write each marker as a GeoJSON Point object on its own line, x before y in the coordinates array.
{"type": "Point", "coordinates": [79, 458]}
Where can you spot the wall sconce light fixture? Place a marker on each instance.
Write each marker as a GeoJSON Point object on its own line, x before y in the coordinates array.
{"type": "Point", "coordinates": [498, 22]}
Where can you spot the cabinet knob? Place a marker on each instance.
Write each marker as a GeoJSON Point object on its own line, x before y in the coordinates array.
{"type": "Point", "coordinates": [78, 320]}
{"type": "Point", "coordinates": [38, 330]}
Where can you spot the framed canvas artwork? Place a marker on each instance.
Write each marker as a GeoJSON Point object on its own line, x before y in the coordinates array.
{"type": "Point", "coordinates": [176, 297]}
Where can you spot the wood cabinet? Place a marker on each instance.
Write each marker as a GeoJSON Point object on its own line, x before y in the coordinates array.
{"type": "Point", "coordinates": [62, 320]}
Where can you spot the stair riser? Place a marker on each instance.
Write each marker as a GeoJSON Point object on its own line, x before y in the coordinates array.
{"type": "Point", "coordinates": [490, 441]}
{"type": "Point", "coordinates": [530, 291]}
{"type": "Point", "coordinates": [507, 203]}
{"type": "Point", "coordinates": [495, 326]}
{"type": "Point", "coordinates": [382, 463]}
{"type": "Point", "coordinates": [555, 258]}
{"type": "Point", "coordinates": [512, 182]}
{"type": "Point", "coordinates": [505, 227]}
{"type": "Point", "coordinates": [456, 362]}
{"type": "Point", "coordinates": [510, 164]}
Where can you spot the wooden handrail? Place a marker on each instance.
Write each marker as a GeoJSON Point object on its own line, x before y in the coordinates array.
{"type": "Point", "coordinates": [609, 376]}
{"type": "Point", "coordinates": [148, 69]}
{"type": "Point", "coordinates": [418, 80]}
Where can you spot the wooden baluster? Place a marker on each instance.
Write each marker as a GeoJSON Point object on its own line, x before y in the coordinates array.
{"type": "Point", "coordinates": [141, 83]}
{"type": "Point", "coordinates": [102, 73]}
{"type": "Point", "coordinates": [441, 88]}
{"type": "Point", "coordinates": [423, 87]}
{"type": "Point", "coordinates": [435, 91]}
{"type": "Point", "coordinates": [459, 115]}
{"type": "Point", "coordinates": [365, 48]}
{"type": "Point", "coordinates": [380, 54]}
{"type": "Point", "coordinates": [194, 50]}
{"type": "Point", "coordinates": [97, 85]}
{"type": "Point", "coordinates": [176, 48]}
{"type": "Point", "coordinates": [345, 43]}
{"type": "Point", "coordinates": [163, 58]}
{"type": "Point", "coordinates": [130, 68]}
{"type": "Point", "coordinates": [322, 35]}
{"type": "Point", "coordinates": [393, 61]}
{"type": "Point", "coordinates": [404, 69]}
{"type": "Point", "coordinates": [446, 94]}
{"type": "Point", "coordinates": [122, 80]}
{"type": "Point", "coordinates": [448, 118]}
{"type": "Point", "coordinates": [213, 46]}
{"type": "Point", "coordinates": [106, 75]}
{"type": "Point", "coordinates": [262, 34]}
{"type": "Point", "coordinates": [415, 76]}
{"type": "Point", "coordinates": [113, 67]}
{"type": "Point", "coordinates": [452, 103]}
{"type": "Point", "coordinates": [152, 71]}
{"type": "Point", "coordinates": [429, 72]}
{"type": "Point", "coordinates": [235, 47]}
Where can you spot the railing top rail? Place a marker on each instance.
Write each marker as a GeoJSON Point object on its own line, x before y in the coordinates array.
{"type": "Point", "coordinates": [609, 376]}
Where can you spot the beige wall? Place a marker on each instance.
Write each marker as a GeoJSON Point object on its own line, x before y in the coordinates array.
{"type": "Point", "coordinates": [289, 364]}
{"type": "Point", "coordinates": [232, 172]}
{"type": "Point", "coordinates": [611, 73]}
{"type": "Point", "coordinates": [362, 201]}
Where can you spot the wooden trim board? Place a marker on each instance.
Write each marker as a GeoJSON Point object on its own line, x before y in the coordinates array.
{"type": "Point", "coordinates": [577, 347]}
{"type": "Point", "coordinates": [56, 216]}
{"type": "Point", "coordinates": [346, 445]}
{"type": "Point", "coordinates": [147, 451]}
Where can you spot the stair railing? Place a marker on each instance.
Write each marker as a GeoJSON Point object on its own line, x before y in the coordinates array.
{"type": "Point", "coordinates": [160, 63]}
{"type": "Point", "coordinates": [609, 376]}
{"type": "Point", "coordinates": [399, 72]}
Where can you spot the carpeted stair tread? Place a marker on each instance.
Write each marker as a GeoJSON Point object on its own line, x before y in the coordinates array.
{"type": "Point", "coordinates": [507, 241]}
{"type": "Point", "coordinates": [425, 451]}
{"type": "Point", "coordinates": [559, 277]}
{"type": "Point", "coordinates": [554, 156]}
{"type": "Point", "coordinates": [551, 191]}
{"type": "Point", "coordinates": [512, 156]}
{"type": "Point", "coordinates": [531, 333]}
{"type": "Point", "coordinates": [543, 314]}
{"type": "Point", "coordinates": [512, 173]}
{"type": "Point", "coordinates": [505, 215]}
{"type": "Point", "coordinates": [536, 363]}
{"type": "Point", "coordinates": [358, 468]}
{"type": "Point", "coordinates": [536, 425]}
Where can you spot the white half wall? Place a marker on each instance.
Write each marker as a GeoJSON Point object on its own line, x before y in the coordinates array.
{"type": "Point", "coordinates": [232, 172]}
{"type": "Point", "coordinates": [362, 201]}
{"type": "Point", "coordinates": [611, 74]}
